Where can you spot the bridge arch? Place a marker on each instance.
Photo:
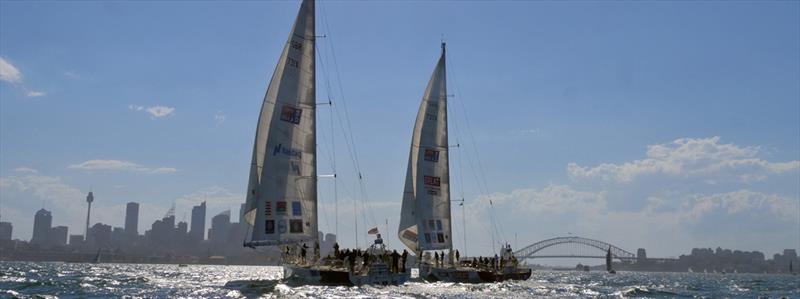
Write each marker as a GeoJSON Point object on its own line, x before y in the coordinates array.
{"type": "Point", "coordinates": [531, 250]}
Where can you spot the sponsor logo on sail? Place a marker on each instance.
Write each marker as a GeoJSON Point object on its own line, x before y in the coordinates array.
{"type": "Point", "coordinates": [282, 226]}
{"type": "Point", "coordinates": [431, 155]}
{"type": "Point", "coordinates": [296, 226]}
{"type": "Point", "coordinates": [409, 235]}
{"type": "Point", "coordinates": [268, 209]}
{"type": "Point", "coordinates": [297, 209]}
{"type": "Point", "coordinates": [280, 149]}
{"type": "Point", "coordinates": [270, 227]}
{"type": "Point", "coordinates": [280, 208]}
{"type": "Point", "coordinates": [294, 167]}
{"type": "Point", "coordinates": [291, 114]}
{"type": "Point", "coordinates": [433, 181]}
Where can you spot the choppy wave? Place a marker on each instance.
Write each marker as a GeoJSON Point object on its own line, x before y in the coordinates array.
{"type": "Point", "coordinates": [64, 280]}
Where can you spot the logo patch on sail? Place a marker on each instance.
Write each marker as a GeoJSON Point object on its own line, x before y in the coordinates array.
{"type": "Point", "coordinates": [280, 208]}
{"type": "Point", "coordinates": [433, 181]}
{"type": "Point", "coordinates": [291, 114]}
{"type": "Point", "coordinates": [297, 210]}
{"type": "Point", "coordinates": [296, 226]}
{"type": "Point", "coordinates": [279, 149]}
{"type": "Point", "coordinates": [270, 227]}
{"type": "Point", "coordinates": [431, 155]}
{"type": "Point", "coordinates": [411, 236]}
{"type": "Point", "coordinates": [282, 226]}
{"type": "Point", "coordinates": [268, 209]}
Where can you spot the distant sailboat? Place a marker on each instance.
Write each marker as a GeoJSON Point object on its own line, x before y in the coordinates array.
{"type": "Point", "coordinates": [281, 204]}
{"type": "Point", "coordinates": [609, 258]}
{"type": "Point", "coordinates": [96, 259]}
{"type": "Point", "coordinates": [425, 220]}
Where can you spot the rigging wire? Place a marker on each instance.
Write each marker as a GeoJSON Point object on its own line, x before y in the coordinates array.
{"type": "Point", "coordinates": [348, 131]}
{"type": "Point", "coordinates": [479, 175]}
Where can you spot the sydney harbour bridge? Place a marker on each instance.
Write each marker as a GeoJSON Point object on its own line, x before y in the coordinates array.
{"type": "Point", "coordinates": [577, 247]}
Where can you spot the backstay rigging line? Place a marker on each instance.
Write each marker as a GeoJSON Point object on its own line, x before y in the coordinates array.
{"type": "Point", "coordinates": [347, 131]}
{"type": "Point", "coordinates": [479, 175]}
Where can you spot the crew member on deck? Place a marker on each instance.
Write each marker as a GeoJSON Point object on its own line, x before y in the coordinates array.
{"type": "Point", "coordinates": [395, 258]}
{"type": "Point", "coordinates": [403, 259]}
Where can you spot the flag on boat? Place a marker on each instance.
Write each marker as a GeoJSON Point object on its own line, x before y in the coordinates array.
{"type": "Point", "coordinates": [373, 231]}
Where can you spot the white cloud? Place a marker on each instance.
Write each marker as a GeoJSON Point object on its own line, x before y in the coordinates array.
{"type": "Point", "coordinates": [26, 169]}
{"type": "Point", "coordinates": [157, 111]}
{"type": "Point", "coordinates": [119, 165]}
{"type": "Point", "coordinates": [33, 94]}
{"type": "Point", "coordinates": [704, 158]}
{"type": "Point", "coordinates": [550, 199]}
{"type": "Point", "coordinates": [741, 202]}
{"type": "Point", "coordinates": [164, 170]}
{"type": "Point", "coordinates": [9, 72]}
{"type": "Point", "coordinates": [135, 108]}
{"type": "Point", "coordinates": [71, 74]}
{"type": "Point", "coordinates": [160, 111]}
{"type": "Point", "coordinates": [219, 118]}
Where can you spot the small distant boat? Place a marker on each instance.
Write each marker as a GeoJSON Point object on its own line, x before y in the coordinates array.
{"type": "Point", "coordinates": [609, 256]}
{"type": "Point", "coordinates": [183, 265]}
{"type": "Point", "coordinates": [96, 259]}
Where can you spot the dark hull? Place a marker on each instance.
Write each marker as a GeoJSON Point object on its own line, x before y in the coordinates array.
{"type": "Point", "coordinates": [472, 275]}
{"type": "Point", "coordinates": [520, 274]}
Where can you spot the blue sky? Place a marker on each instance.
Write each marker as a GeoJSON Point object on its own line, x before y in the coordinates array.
{"type": "Point", "coordinates": [665, 125]}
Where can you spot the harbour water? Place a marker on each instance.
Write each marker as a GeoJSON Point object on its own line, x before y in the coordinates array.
{"type": "Point", "coordinates": [67, 280]}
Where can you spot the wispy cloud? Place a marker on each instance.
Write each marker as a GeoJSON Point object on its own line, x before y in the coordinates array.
{"type": "Point", "coordinates": [26, 169]}
{"type": "Point", "coordinates": [71, 74]}
{"type": "Point", "coordinates": [8, 72]}
{"type": "Point", "coordinates": [219, 118]}
{"type": "Point", "coordinates": [34, 94]}
{"type": "Point", "coordinates": [11, 74]}
{"type": "Point", "coordinates": [160, 111]}
{"type": "Point", "coordinates": [120, 165]}
{"type": "Point", "coordinates": [157, 111]}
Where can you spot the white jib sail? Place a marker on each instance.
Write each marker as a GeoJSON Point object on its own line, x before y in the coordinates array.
{"type": "Point", "coordinates": [425, 214]}
{"type": "Point", "coordinates": [282, 190]}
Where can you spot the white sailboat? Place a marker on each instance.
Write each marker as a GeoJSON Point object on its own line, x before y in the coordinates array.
{"type": "Point", "coordinates": [281, 204]}
{"type": "Point", "coordinates": [425, 218]}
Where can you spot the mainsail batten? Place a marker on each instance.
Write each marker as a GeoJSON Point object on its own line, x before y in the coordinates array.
{"type": "Point", "coordinates": [282, 189]}
{"type": "Point", "coordinates": [425, 214]}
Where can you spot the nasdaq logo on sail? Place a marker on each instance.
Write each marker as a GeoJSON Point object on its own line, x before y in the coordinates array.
{"type": "Point", "coordinates": [288, 151]}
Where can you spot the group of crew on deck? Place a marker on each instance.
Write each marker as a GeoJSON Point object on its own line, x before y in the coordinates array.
{"type": "Point", "coordinates": [357, 260]}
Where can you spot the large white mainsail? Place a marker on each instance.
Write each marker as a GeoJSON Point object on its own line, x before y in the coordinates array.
{"type": "Point", "coordinates": [282, 190]}
{"type": "Point", "coordinates": [425, 214]}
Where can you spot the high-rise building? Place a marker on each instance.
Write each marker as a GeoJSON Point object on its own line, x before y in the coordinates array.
{"type": "Point", "coordinates": [219, 227]}
{"type": "Point", "coordinates": [182, 228]}
{"type": "Point", "coordinates": [100, 236]}
{"type": "Point", "coordinates": [198, 222]}
{"type": "Point", "coordinates": [132, 219]}
{"type": "Point", "coordinates": [41, 227]}
{"type": "Point", "coordinates": [5, 231]}
{"type": "Point", "coordinates": [58, 236]}
{"type": "Point", "coordinates": [75, 240]}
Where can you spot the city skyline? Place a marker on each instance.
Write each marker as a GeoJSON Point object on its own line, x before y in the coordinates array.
{"type": "Point", "coordinates": [679, 133]}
